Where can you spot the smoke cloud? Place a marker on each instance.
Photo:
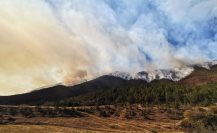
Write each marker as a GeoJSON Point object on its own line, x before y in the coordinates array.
{"type": "Point", "coordinates": [44, 42]}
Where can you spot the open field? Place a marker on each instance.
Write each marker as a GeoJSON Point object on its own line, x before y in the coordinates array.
{"type": "Point", "coordinates": [108, 118]}
{"type": "Point", "coordinates": [87, 119]}
{"type": "Point", "coordinates": [90, 124]}
{"type": "Point", "coordinates": [40, 128]}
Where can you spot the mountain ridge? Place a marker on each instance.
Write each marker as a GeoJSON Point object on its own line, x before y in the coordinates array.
{"type": "Point", "coordinates": [175, 74]}
{"type": "Point", "coordinates": [60, 91]}
{"type": "Point", "coordinates": [199, 76]}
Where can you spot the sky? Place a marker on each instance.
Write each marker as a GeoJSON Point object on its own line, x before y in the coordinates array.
{"type": "Point", "coordinates": [45, 42]}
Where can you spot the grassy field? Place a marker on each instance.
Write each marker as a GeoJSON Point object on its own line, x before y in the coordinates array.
{"type": "Point", "coordinates": [65, 125]}
{"type": "Point", "coordinates": [90, 119]}
{"type": "Point", "coordinates": [40, 129]}
{"type": "Point", "coordinates": [57, 129]}
{"type": "Point", "coordinates": [107, 118]}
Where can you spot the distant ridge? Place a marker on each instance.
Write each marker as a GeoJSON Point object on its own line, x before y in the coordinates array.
{"type": "Point", "coordinates": [175, 74]}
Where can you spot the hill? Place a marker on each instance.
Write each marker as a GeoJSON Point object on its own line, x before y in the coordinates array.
{"type": "Point", "coordinates": [110, 89]}
{"type": "Point", "coordinates": [60, 91]}
{"type": "Point", "coordinates": [201, 76]}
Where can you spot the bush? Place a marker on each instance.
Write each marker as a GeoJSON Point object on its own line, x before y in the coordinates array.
{"type": "Point", "coordinates": [200, 120]}
{"type": "Point", "coordinates": [186, 123]}
{"type": "Point", "coordinates": [105, 113]}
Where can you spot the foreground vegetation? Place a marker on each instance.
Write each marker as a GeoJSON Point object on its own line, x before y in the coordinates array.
{"type": "Point", "coordinates": [106, 118]}
{"type": "Point", "coordinates": [198, 119]}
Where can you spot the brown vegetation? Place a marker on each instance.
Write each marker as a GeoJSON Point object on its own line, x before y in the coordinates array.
{"type": "Point", "coordinates": [134, 118]}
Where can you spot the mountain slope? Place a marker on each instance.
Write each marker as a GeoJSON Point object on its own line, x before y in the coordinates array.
{"type": "Point", "coordinates": [60, 92]}
{"type": "Point", "coordinates": [199, 88]}
{"type": "Point", "coordinates": [201, 76]}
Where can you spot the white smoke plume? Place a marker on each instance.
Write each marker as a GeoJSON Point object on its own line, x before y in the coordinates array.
{"type": "Point", "coordinates": [43, 42]}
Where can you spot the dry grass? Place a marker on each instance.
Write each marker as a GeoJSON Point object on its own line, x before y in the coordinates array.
{"type": "Point", "coordinates": [88, 124]}
{"type": "Point", "coordinates": [155, 120]}
{"type": "Point", "coordinates": [57, 129]}
{"type": "Point", "coordinates": [41, 129]}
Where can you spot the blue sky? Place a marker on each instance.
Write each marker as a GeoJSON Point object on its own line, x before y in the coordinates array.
{"type": "Point", "coordinates": [187, 27]}
{"type": "Point", "coordinates": [51, 41]}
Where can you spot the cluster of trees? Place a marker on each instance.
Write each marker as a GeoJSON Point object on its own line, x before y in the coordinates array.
{"type": "Point", "coordinates": [150, 94]}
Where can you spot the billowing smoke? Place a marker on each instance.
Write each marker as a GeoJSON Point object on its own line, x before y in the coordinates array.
{"type": "Point", "coordinates": [43, 42]}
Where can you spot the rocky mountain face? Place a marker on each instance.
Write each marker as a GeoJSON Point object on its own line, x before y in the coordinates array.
{"type": "Point", "coordinates": [171, 74]}
{"type": "Point", "coordinates": [175, 74]}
